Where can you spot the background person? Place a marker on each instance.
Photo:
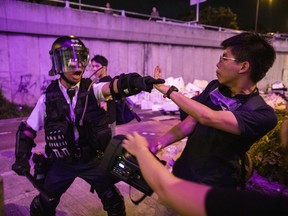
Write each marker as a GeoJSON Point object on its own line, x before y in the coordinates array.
{"type": "Point", "coordinates": [189, 198]}
{"type": "Point", "coordinates": [119, 111]}
{"type": "Point", "coordinates": [76, 128]}
{"type": "Point", "coordinates": [108, 9]}
{"type": "Point", "coordinates": [154, 15]}
{"type": "Point", "coordinates": [98, 62]}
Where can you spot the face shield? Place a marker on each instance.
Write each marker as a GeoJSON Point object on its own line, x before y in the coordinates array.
{"type": "Point", "coordinates": [69, 59]}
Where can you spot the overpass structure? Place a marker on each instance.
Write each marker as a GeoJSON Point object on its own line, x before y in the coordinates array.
{"type": "Point", "coordinates": [27, 31]}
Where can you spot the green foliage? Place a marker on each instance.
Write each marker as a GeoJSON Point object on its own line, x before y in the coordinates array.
{"type": "Point", "coordinates": [10, 110]}
{"type": "Point", "coordinates": [214, 16]}
{"type": "Point", "coordinates": [268, 156]}
{"type": "Point", "coordinates": [219, 16]}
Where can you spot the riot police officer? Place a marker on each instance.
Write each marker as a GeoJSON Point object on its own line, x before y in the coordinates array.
{"type": "Point", "coordinates": [76, 127]}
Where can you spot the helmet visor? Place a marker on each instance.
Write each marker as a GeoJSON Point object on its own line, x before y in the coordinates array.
{"type": "Point", "coordinates": [70, 59]}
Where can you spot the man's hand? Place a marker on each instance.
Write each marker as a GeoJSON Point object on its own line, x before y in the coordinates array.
{"type": "Point", "coordinates": [157, 72]}
{"type": "Point", "coordinates": [155, 146]}
{"type": "Point", "coordinates": [135, 143]}
{"type": "Point", "coordinates": [159, 86]}
{"type": "Point", "coordinates": [21, 166]}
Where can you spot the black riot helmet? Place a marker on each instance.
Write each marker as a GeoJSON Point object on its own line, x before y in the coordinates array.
{"type": "Point", "coordinates": [68, 53]}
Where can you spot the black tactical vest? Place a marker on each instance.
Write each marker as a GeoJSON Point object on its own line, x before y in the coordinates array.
{"type": "Point", "coordinates": [94, 133]}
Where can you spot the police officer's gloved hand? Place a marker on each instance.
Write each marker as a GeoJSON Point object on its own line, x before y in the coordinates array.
{"type": "Point", "coordinates": [146, 83]}
{"type": "Point", "coordinates": [132, 84]}
{"type": "Point", "coordinates": [21, 166]}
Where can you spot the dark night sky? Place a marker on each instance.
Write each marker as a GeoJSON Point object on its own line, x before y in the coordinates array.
{"type": "Point", "coordinates": [272, 17]}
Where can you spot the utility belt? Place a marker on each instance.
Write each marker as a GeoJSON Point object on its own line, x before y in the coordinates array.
{"type": "Point", "coordinates": [83, 154]}
{"type": "Point", "coordinates": [87, 154]}
{"type": "Point", "coordinates": [98, 155]}
{"type": "Point", "coordinates": [61, 144]}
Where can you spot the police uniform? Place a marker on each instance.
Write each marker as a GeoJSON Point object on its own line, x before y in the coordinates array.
{"type": "Point", "coordinates": [67, 165]}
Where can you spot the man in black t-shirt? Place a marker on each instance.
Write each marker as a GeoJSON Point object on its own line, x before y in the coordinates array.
{"type": "Point", "coordinates": [226, 118]}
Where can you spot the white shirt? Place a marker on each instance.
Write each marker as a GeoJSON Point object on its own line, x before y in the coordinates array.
{"type": "Point", "coordinates": [36, 118]}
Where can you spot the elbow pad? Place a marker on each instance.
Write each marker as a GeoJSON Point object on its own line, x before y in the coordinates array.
{"type": "Point", "coordinates": [24, 143]}
{"type": "Point", "coordinates": [125, 86]}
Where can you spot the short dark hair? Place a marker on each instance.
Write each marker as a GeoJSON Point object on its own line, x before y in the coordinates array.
{"type": "Point", "coordinates": [100, 59]}
{"type": "Point", "coordinates": [253, 48]}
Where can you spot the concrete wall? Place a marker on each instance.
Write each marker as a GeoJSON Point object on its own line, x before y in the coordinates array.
{"type": "Point", "coordinates": [27, 31]}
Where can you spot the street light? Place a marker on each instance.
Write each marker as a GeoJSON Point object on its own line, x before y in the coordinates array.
{"type": "Point", "coordinates": [257, 13]}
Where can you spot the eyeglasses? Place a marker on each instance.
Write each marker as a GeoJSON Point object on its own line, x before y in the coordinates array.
{"type": "Point", "coordinates": [223, 58]}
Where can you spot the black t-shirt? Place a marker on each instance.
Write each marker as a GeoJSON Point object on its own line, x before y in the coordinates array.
{"type": "Point", "coordinates": [244, 203]}
{"type": "Point", "coordinates": [211, 156]}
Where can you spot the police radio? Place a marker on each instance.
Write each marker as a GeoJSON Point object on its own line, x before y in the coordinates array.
{"type": "Point", "coordinates": [123, 166]}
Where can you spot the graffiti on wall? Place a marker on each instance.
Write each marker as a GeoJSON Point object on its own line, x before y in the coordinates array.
{"type": "Point", "coordinates": [44, 84]}
{"type": "Point", "coordinates": [28, 90]}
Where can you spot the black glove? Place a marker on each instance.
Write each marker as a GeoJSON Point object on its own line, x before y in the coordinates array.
{"type": "Point", "coordinates": [132, 84]}
{"type": "Point", "coordinates": [21, 166]}
{"type": "Point", "coordinates": [145, 83]}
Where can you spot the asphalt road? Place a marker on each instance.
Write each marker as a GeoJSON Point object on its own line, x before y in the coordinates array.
{"type": "Point", "coordinates": [8, 127]}
{"type": "Point", "coordinates": [77, 200]}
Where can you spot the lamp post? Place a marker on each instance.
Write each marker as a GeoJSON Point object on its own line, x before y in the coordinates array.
{"type": "Point", "coordinates": [257, 12]}
{"type": "Point", "coordinates": [196, 2]}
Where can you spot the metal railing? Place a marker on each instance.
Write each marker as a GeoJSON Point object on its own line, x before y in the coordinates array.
{"type": "Point", "coordinates": [123, 13]}
{"type": "Point", "coordinates": [191, 24]}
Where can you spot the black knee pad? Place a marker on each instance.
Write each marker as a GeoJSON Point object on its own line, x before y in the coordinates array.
{"type": "Point", "coordinates": [37, 209]}
{"type": "Point", "coordinates": [113, 202]}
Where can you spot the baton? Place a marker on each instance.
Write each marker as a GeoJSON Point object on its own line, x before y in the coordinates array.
{"type": "Point", "coordinates": [39, 187]}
